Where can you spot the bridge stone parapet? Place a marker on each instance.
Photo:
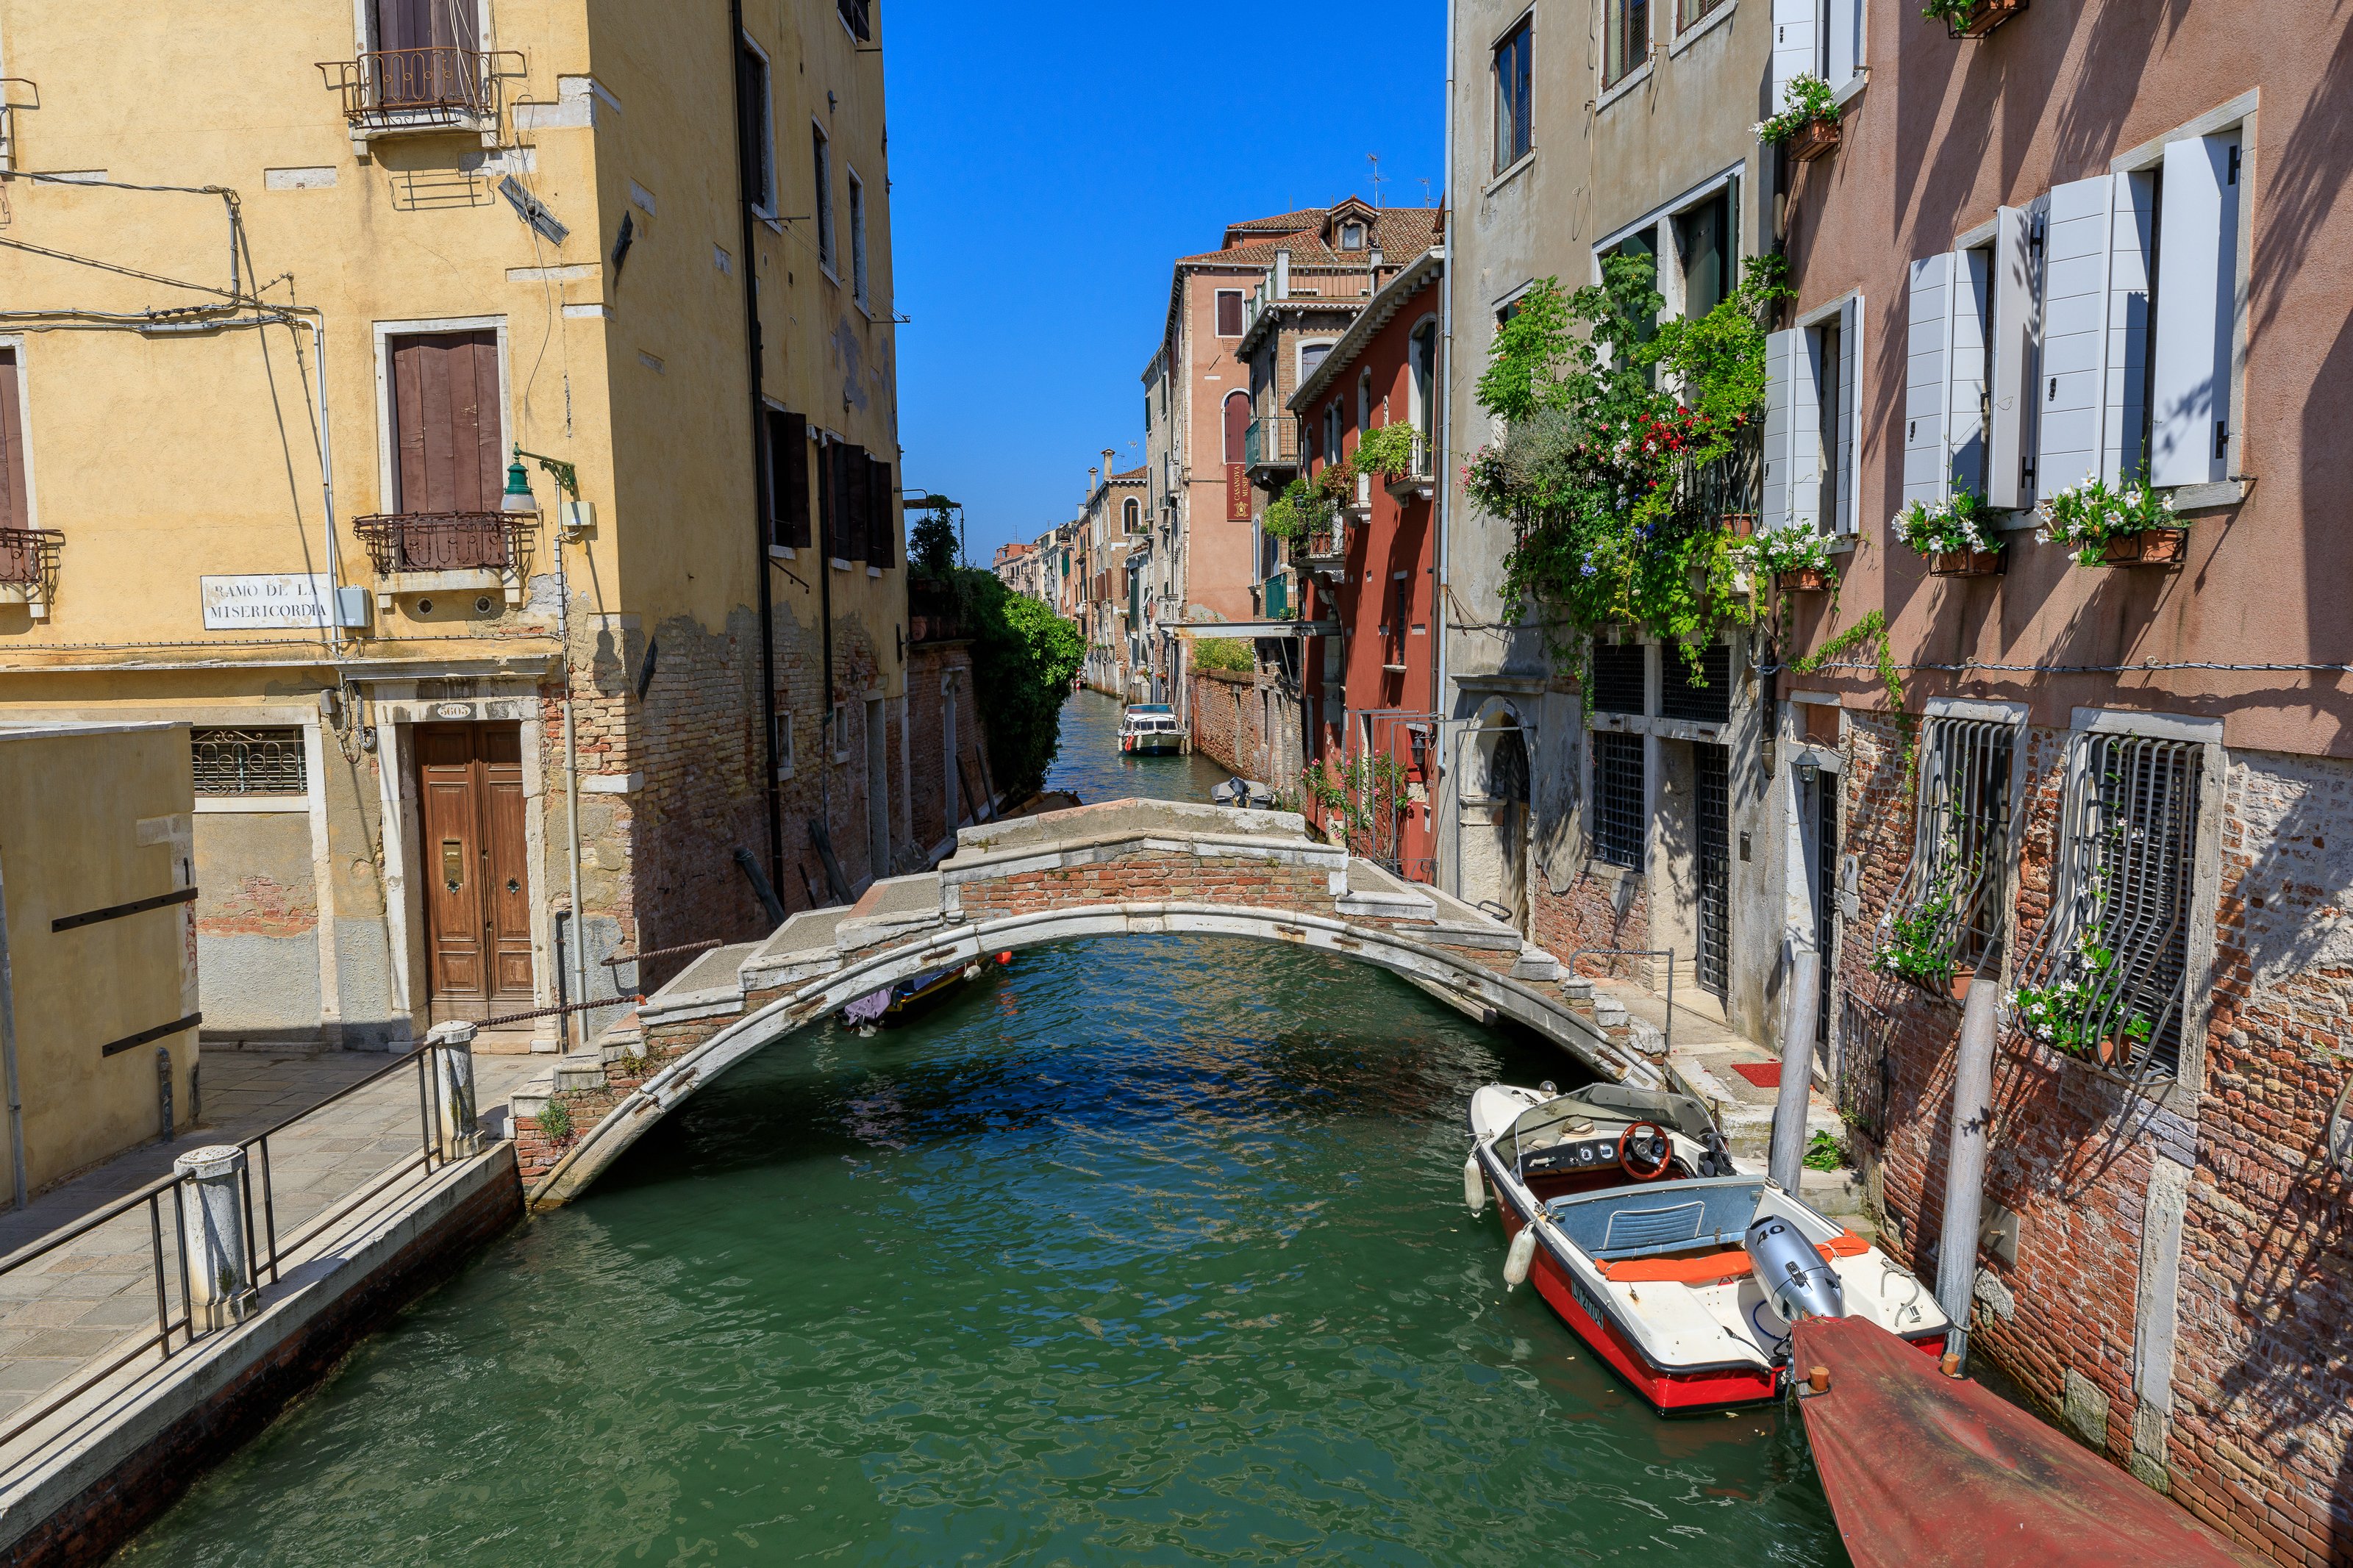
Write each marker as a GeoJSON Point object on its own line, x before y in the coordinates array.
{"type": "Point", "coordinates": [1124, 868]}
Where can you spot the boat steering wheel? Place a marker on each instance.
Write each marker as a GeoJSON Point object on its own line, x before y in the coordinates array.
{"type": "Point", "coordinates": [1657, 1142]}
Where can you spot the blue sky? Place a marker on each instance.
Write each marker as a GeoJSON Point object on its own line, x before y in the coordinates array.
{"type": "Point", "coordinates": [1048, 160]}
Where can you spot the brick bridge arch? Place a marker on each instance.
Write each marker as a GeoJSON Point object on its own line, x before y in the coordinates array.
{"type": "Point", "coordinates": [1124, 868]}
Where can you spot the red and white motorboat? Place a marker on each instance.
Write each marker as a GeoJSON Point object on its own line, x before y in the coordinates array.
{"type": "Point", "coordinates": [1626, 1209]}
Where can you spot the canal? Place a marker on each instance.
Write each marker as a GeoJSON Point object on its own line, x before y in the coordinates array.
{"type": "Point", "coordinates": [1143, 1251]}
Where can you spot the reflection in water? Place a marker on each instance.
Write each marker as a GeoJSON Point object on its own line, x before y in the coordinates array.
{"type": "Point", "coordinates": [1092, 764]}
{"type": "Point", "coordinates": [1148, 1250]}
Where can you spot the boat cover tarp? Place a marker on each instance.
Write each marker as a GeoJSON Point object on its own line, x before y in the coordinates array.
{"type": "Point", "coordinates": [1923, 1471]}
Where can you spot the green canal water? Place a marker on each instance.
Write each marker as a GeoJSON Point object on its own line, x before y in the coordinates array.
{"type": "Point", "coordinates": [1146, 1251]}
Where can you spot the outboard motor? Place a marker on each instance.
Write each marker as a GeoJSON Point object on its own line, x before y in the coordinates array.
{"type": "Point", "coordinates": [1793, 1276]}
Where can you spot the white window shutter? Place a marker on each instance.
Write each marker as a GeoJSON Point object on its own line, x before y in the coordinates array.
{"type": "Point", "coordinates": [2075, 360]}
{"type": "Point", "coordinates": [2010, 372]}
{"type": "Point", "coordinates": [1927, 339]}
{"type": "Point", "coordinates": [1965, 374]}
{"type": "Point", "coordinates": [1805, 431]}
{"type": "Point", "coordinates": [2132, 234]}
{"type": "Point", "coordinates": [1793, 44]}
{"type": "Point", "coordinates": [1849, 414]}
{"type": "Point", "coordinates": [2197, 312]}
{"type": "Point", "coordinates": [1780, 348]}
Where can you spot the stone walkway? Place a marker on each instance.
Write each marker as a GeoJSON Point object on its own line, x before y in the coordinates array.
{"type": "Point", "coordinates": [72, 1310]}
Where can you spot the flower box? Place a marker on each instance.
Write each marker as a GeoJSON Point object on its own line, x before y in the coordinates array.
{"type": "Point", "coordinates": [1803, 579]}
{"type": "Point", "coordinates": [1968, 564]}
{"type": "Point", "coordinates": [1818, 139]}
{"type": "Point", "coordinates": [2149, 547]}
{"type": "Point", "coordinates": [1983, 17]}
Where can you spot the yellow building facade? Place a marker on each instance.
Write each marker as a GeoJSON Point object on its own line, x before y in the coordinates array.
{"type": "Point", "coordinates": [283, 292]}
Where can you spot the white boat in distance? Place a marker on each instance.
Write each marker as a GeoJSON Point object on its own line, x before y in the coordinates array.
{"type": "Point", "coordinates": [1149, 730]}
{"type": "Point", "coordinates": [1680, 1272]}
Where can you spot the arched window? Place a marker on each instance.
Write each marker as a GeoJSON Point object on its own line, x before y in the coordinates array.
{"type": "Point", "coordinates": [1131, 515]}
{"type": "Point", "coordinates": [1364, 402]}
{"type": "Point", "coordinates": [1238, 419]}
{"type": "Point", "coordinates": [1423, 381]}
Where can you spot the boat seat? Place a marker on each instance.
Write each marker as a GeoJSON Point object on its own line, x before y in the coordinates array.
{"type": "Point", "coordinates": [1644, 1230]}
{"type": "Point", "coordinates": [1640, 1222]}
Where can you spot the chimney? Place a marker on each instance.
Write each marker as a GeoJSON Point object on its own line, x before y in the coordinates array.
{"type": "Point", "coordinates": [1109, 453]}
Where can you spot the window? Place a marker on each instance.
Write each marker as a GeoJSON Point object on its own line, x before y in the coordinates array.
{"type": "Point", "coordinates": [1951, 898]}
{"type": "Point", "coordinates": [788, 479]}
{"type": "Point", "coordinates": [845, 490]}
{"type": "Point", "coordinates": [1809, 422]}
{"type": "Point", "coordinates": [2108, 975]}
{"type": "Point", "coordinates": [882, 520]}
{"type": "Point", "coordinates": [754, 135]}
{"type": "Point", "coordinates": [1352, 237]}
{"type": "Point", "coordinates": [425, 56]}
{"type": "Point", "coordinates": [2192, 360]}
{"type": "Point", "coordinates": [1703, 698]}
{"type": "Point", "coordinates": [1816, 37]}
{"type": "Point", "coordinates": [1689, 11]}
{"type": "Point", "coordinates": [1311, 359]}
{"type": "Point", "coordinates": [1230, 312]}
{"type": "Point", "coordinates": [1826, 345]}
{"type": "Point", "coordinates": [1703, 235]}
{"type": "Point", "coordinates": [1332, 429]}
{"type": "Point", "coordinates": [1422, 363]}
{"type": "Point", "coordinates": [1617, 799]}
{"type": "Point", "coordinates": [1364, 402]}
{"type": "Point", "coordinates": [1131, 515]}
{"type": "Point", "coordinates": [15, 492]}
{"type": "Point", "coordinates": [1619, 673]}
{"type": "Point", "coordinates": [857, 239]}
{"type": "Point", "coordinates": [1237, 422]}
{"type": "Point", "coordinates": [448, 457]}
{"type": "Point", "coordinates": [248, 762]}
{"type": "Point", "coordinates": [1628, 44]}
{"type": "Point", "coordinates": [1514, 80]}
{"type": "Point", "coordinates": [858, 17]}
{"type": "Point", "coordinates": [823, 154]}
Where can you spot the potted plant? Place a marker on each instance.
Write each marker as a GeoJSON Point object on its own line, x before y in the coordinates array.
{"type": "Point", "coordinates": [1739, 524]}
{"type": "Point", "coordinates": [1796, 558]}
{"type": "Point", "coordinates": [1972, 19]}
{"type": "Point", "coordinates": [2106, 527]}
{"type": "Point", "coordinates": [1956, 534]}
{"type": "Point", "coordinates": [1386, 454]}
{"type": "Point", "coordinates": [2064, 1017]}
{"type": "Point", "coordinates": [1808, 124]}
{"type": "Point", "coordinates": [1915, 943]}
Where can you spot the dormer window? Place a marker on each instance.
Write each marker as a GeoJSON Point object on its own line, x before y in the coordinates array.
{"type": "Point", "coordinates": [1352, 237]}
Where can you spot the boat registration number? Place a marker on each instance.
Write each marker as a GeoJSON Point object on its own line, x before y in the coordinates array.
{"type": "Point", "coordinates": [1585, 1299]}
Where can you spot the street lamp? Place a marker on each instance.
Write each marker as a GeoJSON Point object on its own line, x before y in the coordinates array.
{"type": "Point", "coordinates": [574, 516]}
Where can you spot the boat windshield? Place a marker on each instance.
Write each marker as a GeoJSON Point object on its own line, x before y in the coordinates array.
{"type": "Point", "coordinates": [1669, 1217]}
{"type": "Point", "coordinates": [1581, 1111]}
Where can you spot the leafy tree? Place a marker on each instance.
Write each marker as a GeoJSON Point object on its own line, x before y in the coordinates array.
{"type": "Point", "coordinates": [933, 548]}
{"type": "Point", "coordinates": [1023, 659]}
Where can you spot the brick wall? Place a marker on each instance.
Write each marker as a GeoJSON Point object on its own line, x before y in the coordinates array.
{"type": "Point", "coordinates": [1225, 710]}
{"type": "Point", "coordinates": [1155, 876]}
{"type": "Point", "coordinates": [1595, 909]}
{"type": "Point", "coordinates": [2258, 1441]}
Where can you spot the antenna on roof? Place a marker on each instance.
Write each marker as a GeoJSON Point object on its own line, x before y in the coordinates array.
{"type": "Point", "coordinates": [1425, 191]}
{"type": "Point", "coordinates": [1374, 159]}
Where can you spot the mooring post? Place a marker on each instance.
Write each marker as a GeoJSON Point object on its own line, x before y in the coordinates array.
{"type": "Point", "coordinates": [212, 1219]}
{"type": "Point", "coordinates": [1804, 977]}
{"type": "Point", "coordinates": [459, 1134]}
{"type": "Point", "coordinates": [1957, 1246]}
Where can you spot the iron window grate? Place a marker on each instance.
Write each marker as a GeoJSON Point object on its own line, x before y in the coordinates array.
{"type": "Point", "coordinates": [2108, 976]}
{"type": "Point", "coordinates": [1682, 695]}
{"type": "Point", "coordinates": [248, 762]}
{"type": "Point", "coordinates": [1949, 902]}
{"type": "Point", "coordinates": [1617, 799]}
{"type": "Point", "coordinates": [1711, 767]}
{"type": "Point", "coordinates": [1618, 676]}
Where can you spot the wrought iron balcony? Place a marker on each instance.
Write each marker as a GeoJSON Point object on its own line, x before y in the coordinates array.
{"type": "Point", "coordinates": [1270, 444]}
{"type": "Point", "coordinates": [424, 552]}
{"type": "Point", "coordinates": [1324, 549]}
{"type": "Point", "coordinates": [29, 568]}
{"type": "Point", "coordinates": [1419, 481]}
{"type": "Point", "coordinates": [388, 91]}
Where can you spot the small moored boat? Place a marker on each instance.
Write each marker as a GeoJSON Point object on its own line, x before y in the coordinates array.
{"type": "Point", "coordinates": [1626, 1209]}
{"type": "Point", "coordinates": [892, 1005]}
{"type": "Point", "coordinates": [1149, 730]}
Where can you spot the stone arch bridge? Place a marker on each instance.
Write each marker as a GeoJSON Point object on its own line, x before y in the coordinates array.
{"type": "Point", "coordinates": [1124, 868]}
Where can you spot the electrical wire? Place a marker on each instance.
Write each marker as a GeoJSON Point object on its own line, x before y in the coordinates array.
{"type": "Point", "coordinates": [2152, 664]}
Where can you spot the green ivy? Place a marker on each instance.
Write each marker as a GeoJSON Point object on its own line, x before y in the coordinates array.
{"type": "Point", "coordinates": [1223, 653]}
{"type": "Point", "coordinates": [1386, 453]}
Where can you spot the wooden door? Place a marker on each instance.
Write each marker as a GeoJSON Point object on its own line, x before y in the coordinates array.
{"type": "Point", "coordinates": [478, 911]}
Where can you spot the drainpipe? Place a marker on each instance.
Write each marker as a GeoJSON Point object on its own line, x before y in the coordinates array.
{"type": "Point", "coordinates": [760, 567]}
{"type": "Point", "coordinates": [571, 788]}
{"type": "Point", "coordinates": [1439, 757]}
{"type": "Point", "coordinates": [1965, 1161]}
{"type": "Point", "coordinates": [8, 1060]}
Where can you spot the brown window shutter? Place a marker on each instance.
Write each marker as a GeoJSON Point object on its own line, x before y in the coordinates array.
{"type": "Point", "coordinates": [445, 422]}
{"type": "Point", "coordinates": [883, 538]}
{"type": "Point", "coordinates": [858, 502]}
{"type": "Point", "coordinates": [16, 504]}
{"type": "Point", "coordinates": [788, 478]}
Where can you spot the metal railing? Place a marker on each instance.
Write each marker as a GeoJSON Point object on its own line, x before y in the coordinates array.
{"type": "Point", "coordinates": [422, 88]}
{"type": "Point", "coordinates": [1271, 441]}
{"type": "Point", "coordinates": [28, 559]}
{"type": "Point", "coordinates": [447, 541]}
{"type": "Point", "coordinates": [264, 1247]}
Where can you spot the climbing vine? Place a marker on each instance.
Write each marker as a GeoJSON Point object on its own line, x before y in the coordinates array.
{"type": "Point", "coordinates": [1871, 631]}
{"type": "Point", "coordinates": [1626, 442]}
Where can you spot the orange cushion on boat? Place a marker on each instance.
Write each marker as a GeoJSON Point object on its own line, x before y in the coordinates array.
{"type": "Point", "coordinates": [1715, 1267]}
